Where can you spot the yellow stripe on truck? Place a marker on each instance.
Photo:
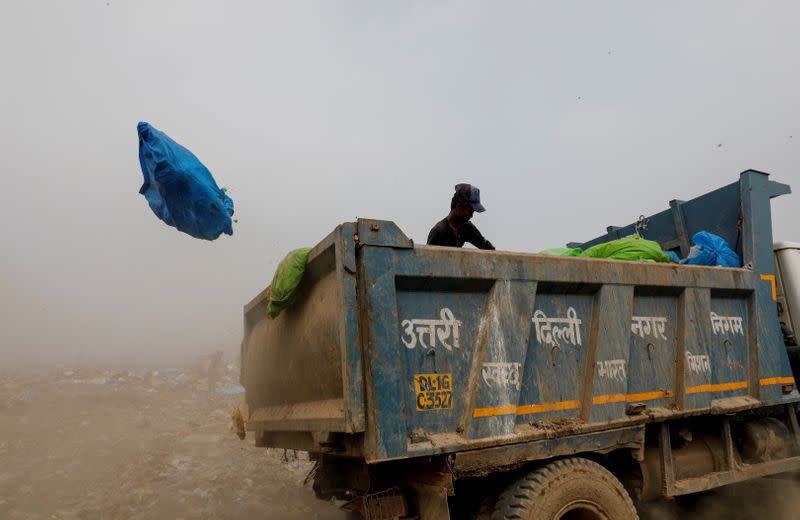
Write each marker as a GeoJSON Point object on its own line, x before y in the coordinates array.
{"type": "Point", "coordinates": [510, 409]}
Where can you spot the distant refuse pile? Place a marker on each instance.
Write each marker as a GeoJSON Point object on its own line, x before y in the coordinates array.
{"type": "Point", "coordinates": [221, 379]}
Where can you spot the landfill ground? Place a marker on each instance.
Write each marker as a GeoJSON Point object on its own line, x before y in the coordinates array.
{"type": "Point", "coordinates": [80, 443]}
{"type": "Point", "coordinates": [100, 444]}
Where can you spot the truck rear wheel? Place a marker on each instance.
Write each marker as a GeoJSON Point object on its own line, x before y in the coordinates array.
{"type": "Point", "coordinates": [569, 489]}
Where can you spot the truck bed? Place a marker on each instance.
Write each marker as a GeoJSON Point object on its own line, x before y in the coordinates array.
{"type": "Point", "coordinates": [394, 350]}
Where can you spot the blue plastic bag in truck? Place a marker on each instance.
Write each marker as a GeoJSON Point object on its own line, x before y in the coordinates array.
{"type": "Point", "coordinates": [709, 249]}
{"type": "Point", "coordinates": [179, 188]}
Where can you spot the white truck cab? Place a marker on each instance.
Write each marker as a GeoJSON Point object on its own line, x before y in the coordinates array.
{"type": "Point", "coordinates": [787, 270]}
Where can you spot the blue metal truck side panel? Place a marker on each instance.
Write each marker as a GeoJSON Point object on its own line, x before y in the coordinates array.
{"type": "Point", "coordinates": [575, 370]}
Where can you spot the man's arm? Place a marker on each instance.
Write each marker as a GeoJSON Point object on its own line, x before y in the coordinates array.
{"type": "Point", "coordinates": [474, 237]}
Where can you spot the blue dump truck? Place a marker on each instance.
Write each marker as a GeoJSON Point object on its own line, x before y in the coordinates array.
{"type": "Point", "coordinates": [435, 383]}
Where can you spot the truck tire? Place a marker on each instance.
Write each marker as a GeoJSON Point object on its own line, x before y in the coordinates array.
{"type": "Point", "coordinates": [569, 489]}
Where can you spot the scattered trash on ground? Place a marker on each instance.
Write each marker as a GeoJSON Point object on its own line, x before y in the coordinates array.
{"type": "Point", "coordinates": [231, 389]}
{"type": "Point", "coordinates": [141, 443]}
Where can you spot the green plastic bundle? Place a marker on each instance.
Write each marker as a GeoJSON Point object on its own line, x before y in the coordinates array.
{"type": "Point", "coordinates": [285, 281]}
{"type": "Point", "coordinates": [633, 248]}
{"type": "Point", "coordinates": [562, 251]}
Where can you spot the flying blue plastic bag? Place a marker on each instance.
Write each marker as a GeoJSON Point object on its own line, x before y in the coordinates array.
{"type": "Point", "coordinates": [709, 249]}
{"type": "Point", "coordinates": [179, 189]}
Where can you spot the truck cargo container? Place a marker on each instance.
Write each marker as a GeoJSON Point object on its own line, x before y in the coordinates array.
{"type": "Point", "coordinates": [435, 383]}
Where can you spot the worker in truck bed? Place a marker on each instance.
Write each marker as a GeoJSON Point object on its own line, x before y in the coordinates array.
{"type": "Point", "coordinates": [456, 229]}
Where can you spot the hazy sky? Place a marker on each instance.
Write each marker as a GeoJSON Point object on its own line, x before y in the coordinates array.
{"type": "Point", "coordinates": [569, 116]}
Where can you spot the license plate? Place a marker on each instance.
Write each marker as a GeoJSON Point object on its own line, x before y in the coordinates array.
{"type": "Point", "coordinates": [434, 392]}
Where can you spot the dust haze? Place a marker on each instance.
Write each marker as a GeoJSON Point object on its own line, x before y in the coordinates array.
{"type": "Point", "coordinates": [568, 116]}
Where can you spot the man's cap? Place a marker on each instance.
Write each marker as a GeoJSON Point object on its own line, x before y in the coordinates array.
{"type": "Point", "coordinates": [471, 195]}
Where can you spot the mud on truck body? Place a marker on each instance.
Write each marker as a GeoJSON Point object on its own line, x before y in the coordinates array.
{"type": "Point", "coordinates": [437, 383]}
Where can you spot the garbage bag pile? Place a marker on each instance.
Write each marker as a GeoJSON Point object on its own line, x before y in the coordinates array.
{"type": "Point", "coordinates": [707, 249]}
{"type": "Point", "coordinates": [179, 188]}
{"type": "Point", "coordinates": [285, 281]}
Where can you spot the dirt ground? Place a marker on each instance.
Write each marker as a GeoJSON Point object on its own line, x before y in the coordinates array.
{"type": "Point", "coordinates": [153, 444]}
{"type": "Point", "coordinates": [86, 444]}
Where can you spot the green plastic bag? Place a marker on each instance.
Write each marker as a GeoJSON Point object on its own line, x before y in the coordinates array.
{"type": "Point", "coordinates": [562, 251]}
{"type": "Point", "coordinates": [633, 248]}
{"type": "Point", "coordinates": [285, 281]}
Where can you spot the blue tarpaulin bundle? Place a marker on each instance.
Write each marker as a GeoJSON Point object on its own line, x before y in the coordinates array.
{"type": "Point", "coordinates": [709, 249]}
{"type": "Point", "coordinates": [179, 188]}
{"type": "Point", "coordinates": [673, 256]}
